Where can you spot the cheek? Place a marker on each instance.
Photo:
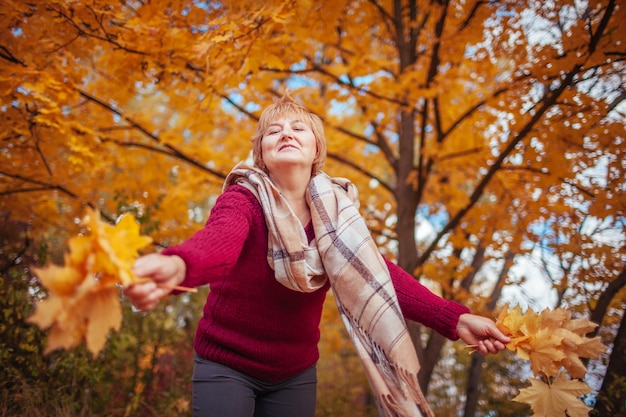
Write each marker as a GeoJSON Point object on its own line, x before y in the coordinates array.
{"type": "Point", "coordinates": [266, 148]}
{"type": "Point", "coordinates": [315, 147]}
{"type": "Point", "coordinates": [263, 145]}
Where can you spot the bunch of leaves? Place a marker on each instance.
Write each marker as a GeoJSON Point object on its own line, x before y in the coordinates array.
{"type": "Point", "coordinates": [554, 343]}
{"type": "Point", "coordinates": [83, 295]}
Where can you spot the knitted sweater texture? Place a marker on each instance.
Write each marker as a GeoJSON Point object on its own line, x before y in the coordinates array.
{"type": "Point", "coordinates": [256, 325]}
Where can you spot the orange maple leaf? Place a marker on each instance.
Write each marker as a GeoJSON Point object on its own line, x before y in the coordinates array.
{"type": "Point", "coordinates": [545, 352]}
{"type": "Point", "coordinates": [550, 340]}
{"type": "Point", "coordinates": [561, 398]}
{"type": "Point", "coordinates": [116, 246]}
{"type": "Point", "coordinates": [83, 295]}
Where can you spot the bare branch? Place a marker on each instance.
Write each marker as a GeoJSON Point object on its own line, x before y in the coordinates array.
{"type": "Point", "coordinates": [107, 38]}
{"type": "Point", "coordinates": [358, 168]}
{"type": "Point", "coordinates": [173, 151]}
{"type": "Point", "coordinates": [168, 151]}
{"type": "Point", "coordinates": [6, 54]}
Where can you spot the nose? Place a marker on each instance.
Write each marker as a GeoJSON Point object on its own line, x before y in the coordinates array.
{"type": "Point", "coordinates": [287, 133]}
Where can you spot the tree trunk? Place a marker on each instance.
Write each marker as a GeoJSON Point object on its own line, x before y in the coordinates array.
{"type": "Point", "coordinates": [473, 384]}
{"type": "Point", "coordinates": [431, 357]}
{"type": "Point", "coordinates": [406, 196]}
{"type": "Point", "coordinates": [611, 400]}
{"type": "Point", "coordinates": [476, 369]}
{"type": "Point", "coordinates": [604, 301]}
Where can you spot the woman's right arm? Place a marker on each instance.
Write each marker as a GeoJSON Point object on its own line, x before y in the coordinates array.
{"type": "Point", "coordinates": [165, 272]}
{"type": "Point", "coordinates": [210, 254]}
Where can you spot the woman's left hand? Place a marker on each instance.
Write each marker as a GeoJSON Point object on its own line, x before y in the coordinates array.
{"type": "Point", "coordinates": [481, 333]}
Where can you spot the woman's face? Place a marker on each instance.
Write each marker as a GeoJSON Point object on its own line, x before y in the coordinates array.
{"type": "Point", "coordinates": [288, 142]}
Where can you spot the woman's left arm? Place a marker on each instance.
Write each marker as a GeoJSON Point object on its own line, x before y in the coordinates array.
{"type": "Point", "coordinates": [481, 333]}
{"type": "Point", "coordinates": [448, 318]}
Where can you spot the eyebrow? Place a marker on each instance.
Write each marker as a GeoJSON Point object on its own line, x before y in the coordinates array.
{"type": "Point", "coordinates": [280, 124]}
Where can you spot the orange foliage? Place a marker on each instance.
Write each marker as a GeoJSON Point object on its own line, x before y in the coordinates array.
{"type": "Point", "coordinates": [83, 295]}
{"type": "Point", "coordinates": [552, 341]}
{"type": "Point", "coordinates": [560, 398]}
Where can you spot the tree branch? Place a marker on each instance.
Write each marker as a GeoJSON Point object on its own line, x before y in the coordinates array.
{"type": "Point", "coordinates": [548, 101]}
{"type": "Point", "coordinates": [107, 38]}
{"type": "Point", "coordinates": [317, 68]}
{"type": "Point", "coordinates": [6, 54]}
{"type": "Point", "coordinates": [173, 151]}
{"type": "Point", "coordinates": [363, 171]}
{"type": "Point", "coordinates": [602, 306]}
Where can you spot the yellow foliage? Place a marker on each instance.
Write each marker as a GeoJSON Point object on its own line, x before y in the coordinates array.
{"type": "Point", "coordinates": [559, 398]}
{"type": "Point", "coordinates": [552, 341]}
{"type": "Point", "coordinates": [83, 295]}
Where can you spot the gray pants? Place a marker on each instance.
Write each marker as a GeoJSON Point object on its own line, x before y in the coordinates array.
{"type": "Point", "coordinates": [219, 391]}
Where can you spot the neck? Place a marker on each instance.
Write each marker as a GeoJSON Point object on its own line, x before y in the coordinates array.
{"type": "Point", "coordinates": [293, 187]}
{"type": "Point", "coordinates": [292, 183]}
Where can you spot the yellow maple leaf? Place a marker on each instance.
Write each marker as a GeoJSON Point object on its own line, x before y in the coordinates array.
{"type": "Point", "coordinates": [515, 324]}
{"type": "Point", "coordinates": [46, 312]}
{"type": "Point", "coordinates": [105, 300]}
{"type": "Point", "coordinates": [64, 314]}
{"type": "Point", "coordinates": [83, 296]}
{"type": "Point", "coordinates": [531, 323]}
{"type": "Point", "coordinates": [580, 327]}
{"type": "Point", "coordinates": [550, 339]}
{"type": "Point", "coordinates": [117, 246]}
{"type": "Point", "coordinates": [554, 319]}
{"type": "Point", "coordinates": [574, 347]}
{"type": "Point", "coordinates": [545, 352]}
{"type": "Point", "coordinates": [561, 398]}
{"type": "Point", "coordinates": [61, 280]}
{"type": "Point", "coordinates": [512, 321]}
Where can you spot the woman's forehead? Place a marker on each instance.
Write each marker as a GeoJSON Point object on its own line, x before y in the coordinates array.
{"type": "Point", "coordinates": [289, 117]}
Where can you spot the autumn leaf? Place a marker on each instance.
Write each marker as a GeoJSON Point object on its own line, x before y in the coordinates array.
{"type": "Point", "coordinates": [61, 280]}
{"type": "Point", "coordinates": [550, 339]}
{"type": "Point", "coordinates": [575, 346]}
{"type": "Point", "coordinates": [545, 352]}
{"type": "Point", "coordinates": [105, 313]}
{"type": "Point", "coordinates": [60, 312]}
{"type": "Point", "coordinates": [83, 295]}
{"type": "Point", "coordinates": [561, 398]}
{"type": "Point", "coordinates": [116, 247]}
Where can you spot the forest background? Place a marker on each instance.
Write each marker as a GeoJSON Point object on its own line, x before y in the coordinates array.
{"type": "Point", "coordinates": [486, 139]}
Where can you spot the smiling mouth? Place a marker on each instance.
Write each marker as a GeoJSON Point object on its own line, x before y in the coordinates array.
{"type": "Point", "coordinates": [286, 146]}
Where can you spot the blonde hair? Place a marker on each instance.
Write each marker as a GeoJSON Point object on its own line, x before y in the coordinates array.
{"type": "Point", "coordinates": [284, 106]}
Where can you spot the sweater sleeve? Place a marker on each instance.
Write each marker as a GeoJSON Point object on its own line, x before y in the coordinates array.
{"type": "Point", "coordinates": [420, 304]}
{"type": "Point", "coordinates": [212, 252]}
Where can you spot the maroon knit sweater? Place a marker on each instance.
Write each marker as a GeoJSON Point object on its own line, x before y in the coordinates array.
{"type": "Point", "coordinates": [256, 325]}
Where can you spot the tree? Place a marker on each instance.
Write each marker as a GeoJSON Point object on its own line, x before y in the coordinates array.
{"type": "Point", "coordinates": [501, 124]}
{"type": "Point", "coordinates": [610, 400]}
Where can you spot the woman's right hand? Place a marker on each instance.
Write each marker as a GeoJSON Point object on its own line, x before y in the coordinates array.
{"type": "Point", "coordinates": [165, 272]}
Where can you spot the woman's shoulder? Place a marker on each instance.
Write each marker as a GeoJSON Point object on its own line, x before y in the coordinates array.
{"type": "Point", "coordinates": [239, 197]}
{"type": "Point", "coordinates": [238, 192]}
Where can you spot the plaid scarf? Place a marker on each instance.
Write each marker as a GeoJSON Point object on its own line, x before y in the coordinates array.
{"type": "Point", "coordinates": [345, 253]}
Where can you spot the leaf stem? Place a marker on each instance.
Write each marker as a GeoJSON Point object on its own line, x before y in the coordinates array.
{"type": "Point", "coordinates": [179, 288]}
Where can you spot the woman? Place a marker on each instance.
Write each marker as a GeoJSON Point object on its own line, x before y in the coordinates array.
{"type": "Point", "coordinates": [278, 238]}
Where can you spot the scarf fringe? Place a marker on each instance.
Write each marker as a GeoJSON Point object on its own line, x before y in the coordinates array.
{"type": "Point", "coordinates": [413, 387]}
{"type": "Point", "coordinates": [405, 381]}
{"type": "Point", "coordinates": [388, 406]}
